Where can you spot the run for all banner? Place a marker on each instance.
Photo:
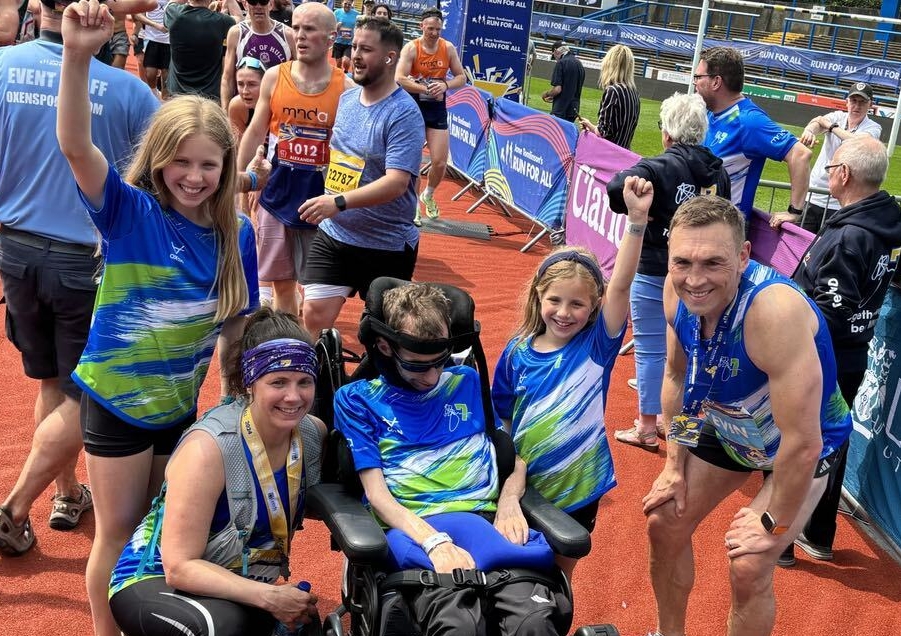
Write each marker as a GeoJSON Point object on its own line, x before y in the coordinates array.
{"type": "Point", "coordinates": [468, 121]}
{"type": "Point", "coordinates": [590, 222]}
{"type": "Point", "coordinates": [873, 476]}
{"type": "Point", "coordinates": [496, 44]}
{"type": "Point", "coordinates": [529, 158]}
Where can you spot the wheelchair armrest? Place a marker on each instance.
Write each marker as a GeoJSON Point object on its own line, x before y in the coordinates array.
{"type": "Point", "coordinates": [352, 527]}
{"type": "Point", "coordinates": [563, 533]}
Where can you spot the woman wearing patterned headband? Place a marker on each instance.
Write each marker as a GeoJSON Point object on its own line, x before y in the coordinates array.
{"type": "Point", "coordinates": [217, 538]}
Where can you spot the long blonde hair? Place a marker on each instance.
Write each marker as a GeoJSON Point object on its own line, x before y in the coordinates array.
{"type": "Point", "coordinates": [176, 120]}
{"type": "Point", "coordinates": [532, 323]}
{"type": "Point", "coordinates": [618, 67]}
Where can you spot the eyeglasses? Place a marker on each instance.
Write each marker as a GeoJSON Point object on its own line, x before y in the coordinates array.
{"type": "Point", "coordinates": [660, 124]}
{"type": "Point", "coordinates": [829, 168]}
{"type": "Point", "coordinates": [698, 76]}
{"type": "Point", "coordinates": [258, 3]}
{"type": "Point", "coordinates": [422, 366]}
{"type": "Point", "coordinates": [252, 62]}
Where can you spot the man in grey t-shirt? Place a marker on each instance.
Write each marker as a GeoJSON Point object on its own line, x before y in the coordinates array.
{"type": "Point", "coordinates": [366, 216]}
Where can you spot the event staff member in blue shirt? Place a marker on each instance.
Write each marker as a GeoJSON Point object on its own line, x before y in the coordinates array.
{"type": "Point", "coordinates": [751, 384]}
{"type": "Point", "coordinates": [743, 135]}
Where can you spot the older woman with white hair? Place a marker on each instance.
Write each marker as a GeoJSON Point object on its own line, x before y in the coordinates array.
{"type": "Point", "coordinates": [684, 170]}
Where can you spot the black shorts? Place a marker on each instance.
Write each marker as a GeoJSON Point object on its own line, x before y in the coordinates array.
{"type": "Point", "coordinates": [332, 262]}
{"type": "Point", "coordinates": [711, 450]}
{"type": "Point", "coordinates": [138, 46]}
{"type": "Point", "coordinates": [587, 515]}
{"type": "Point", "coordinates": [50, 288]}
{"type": "Point", "coordinates": [106, 435]}
{"type": "Point", "coordinates": [156, 55]}
{"type": "Point", "coordinates": [149, 608]}
{"type": "Point", "coordinates": [434, 114]}
{"type": "Point", "coordinates": [340, 50]}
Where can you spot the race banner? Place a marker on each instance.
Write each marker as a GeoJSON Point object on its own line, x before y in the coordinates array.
{"type": "Point", "coordinates": [590, 222]}
{"type": "Point", "coordinates": [467, 123]}
{"type": "Point", "coordinates": [496, 45]}
{"type": "Point", "coordinates": [529, 157]}
{"type": "Point", "coordinates": [873, 474]}
{"type": "Point", "coordinates": [770, 56]}
{"type": "Point", "coordinates": [454, 22]}
{"type": "Point", "coordinates": [782, 250]}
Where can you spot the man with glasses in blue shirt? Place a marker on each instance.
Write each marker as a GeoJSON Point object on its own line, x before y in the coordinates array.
{"type": "Point", "coordinates": [742, 134]}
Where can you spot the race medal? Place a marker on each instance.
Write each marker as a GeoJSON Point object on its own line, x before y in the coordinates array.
{"type": "Point", "coordinates": [302, 145]}
{"type": "Point", "coordinates": [344, 172]}
{"type": "Point", "coordinates": [685, 430]}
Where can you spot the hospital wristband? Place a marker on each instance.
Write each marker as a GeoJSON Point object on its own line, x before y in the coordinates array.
{"type": "Point", "coordinates": [433, 541]}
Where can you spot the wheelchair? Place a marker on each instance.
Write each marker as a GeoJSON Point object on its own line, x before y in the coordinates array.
{"type": "Point", "coordinates": [371, 596]}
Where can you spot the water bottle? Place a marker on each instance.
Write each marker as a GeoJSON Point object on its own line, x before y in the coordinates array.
{"type": "Point", "coordinates": [283, 630]}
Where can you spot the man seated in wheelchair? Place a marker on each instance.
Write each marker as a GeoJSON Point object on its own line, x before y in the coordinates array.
{"type": "Point", "coordinates": [418, 438]}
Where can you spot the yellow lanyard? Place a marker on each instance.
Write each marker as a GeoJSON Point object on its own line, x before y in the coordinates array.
{"type": "Point", "coordinates": [279, 522]}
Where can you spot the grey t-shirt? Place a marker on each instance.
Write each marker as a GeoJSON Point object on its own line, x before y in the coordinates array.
{"type": "Point", "coordinates": [388, 134]}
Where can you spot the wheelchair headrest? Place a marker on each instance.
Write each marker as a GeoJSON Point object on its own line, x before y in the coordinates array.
{"type": "Point", "coordinates": [464, 328]}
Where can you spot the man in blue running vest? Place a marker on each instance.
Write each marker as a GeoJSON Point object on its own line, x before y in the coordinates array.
{"type": "Point", "coordinates": [737, 403]}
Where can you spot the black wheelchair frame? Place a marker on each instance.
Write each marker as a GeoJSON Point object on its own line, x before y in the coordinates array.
{"type": "Point", "coordinates": [337, 500]}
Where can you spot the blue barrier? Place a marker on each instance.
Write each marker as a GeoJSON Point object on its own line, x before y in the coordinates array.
{"type": "Point", "coordinates": [873, 475]}
{"type": "Point", "coordinates": [468, 121]}
{"type": "Point", "coordinates": [529, 157]}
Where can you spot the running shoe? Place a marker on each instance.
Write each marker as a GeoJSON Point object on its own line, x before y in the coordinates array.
{"type": "Point", "coordinates": [431, 206]}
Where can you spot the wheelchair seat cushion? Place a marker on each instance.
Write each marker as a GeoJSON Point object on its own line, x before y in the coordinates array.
{"type": "Point", "coordinates": [489, 549]}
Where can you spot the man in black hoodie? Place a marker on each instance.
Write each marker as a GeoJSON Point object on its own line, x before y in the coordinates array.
{"type": "Point", "coordinates": [684, 170]}
{"type": "Point", "coordinates": [847, 271]}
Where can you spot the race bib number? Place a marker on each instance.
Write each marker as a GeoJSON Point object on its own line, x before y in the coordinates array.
{"type": "Point", "coordinates": [344, 172]}
{"type": "Point", "coordinates": [345, 33]}
{"type": "Point", "coordinates": [302, 146]}
{"type": "Point", "coordinates": [738, 433]}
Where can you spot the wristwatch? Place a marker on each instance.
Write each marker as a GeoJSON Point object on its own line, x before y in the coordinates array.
{"type": "Point", "coordinates": [793, 210]}
{"type": "Point", "coordinates": [832, 127]}
{"type": "Point", "coordinates": [340, 203]}
{"type": "Point", "coordinates": [770, 525]}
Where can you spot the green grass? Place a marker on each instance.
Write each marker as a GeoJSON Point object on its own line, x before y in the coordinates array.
{"type": "Point", "coordinates": [647, 142]}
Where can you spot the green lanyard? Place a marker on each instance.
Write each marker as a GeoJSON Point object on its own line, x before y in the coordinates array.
{"type": "Point", "coordinates": [279, 522]}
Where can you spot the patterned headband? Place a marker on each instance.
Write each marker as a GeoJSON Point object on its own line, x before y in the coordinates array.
{"type": "Point", "coordinates": [283, 354]}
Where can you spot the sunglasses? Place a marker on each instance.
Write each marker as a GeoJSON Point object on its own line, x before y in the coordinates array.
{"type": "Point", "coordinates": [258, 3]}
{"type": "Point", "coordinates": [251, 62]}
{"type": "Point", "coordinates": [422, 366]}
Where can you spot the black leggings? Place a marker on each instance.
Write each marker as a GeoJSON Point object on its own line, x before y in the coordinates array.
{"type": "Point", "coordinates": [152, 608]}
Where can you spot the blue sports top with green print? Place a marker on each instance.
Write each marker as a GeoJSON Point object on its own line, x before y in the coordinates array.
{"type": "Point", "coordinates": [738, 404]}
{"type": "Point", "coordinates": [431, 446]}
{"type": "Point", "coordinates": [555, 402]}
{"type": "Point", "coordinates": [154, 329]}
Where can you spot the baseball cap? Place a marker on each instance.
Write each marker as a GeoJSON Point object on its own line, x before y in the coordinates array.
{"type": "Point", "coordinates": [861, 88]}
{"type": "Point", "coordinates": [557, 45]}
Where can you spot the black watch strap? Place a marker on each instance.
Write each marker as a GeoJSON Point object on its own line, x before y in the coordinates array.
{"type": "Point", "coordinates": [833, 127]}
{"type": "Point", "coordinates": [793, 210]}
{"type": "Point", "coordinates": [340, 203]}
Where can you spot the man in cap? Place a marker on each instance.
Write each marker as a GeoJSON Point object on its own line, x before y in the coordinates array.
{"type": "Point", "coordinates": [566, 83]}
{"type": "Point", "coordinates": [836, 128]}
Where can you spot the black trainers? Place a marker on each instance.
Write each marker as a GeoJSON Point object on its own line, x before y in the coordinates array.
{"type": "Point", "coordinates": [818, 552]}
{"type": "Point", "coordinates": [787, 558]}
{"type": "Point", "coordinates": [67, 511]}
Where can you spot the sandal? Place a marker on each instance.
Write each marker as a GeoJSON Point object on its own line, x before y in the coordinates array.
{"type": "Point", "coordinates": [661, 430]}
{"type": "Point", "coordinates": [631, 436]}
{"type": "Point", "coordinates": [14, 540]}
